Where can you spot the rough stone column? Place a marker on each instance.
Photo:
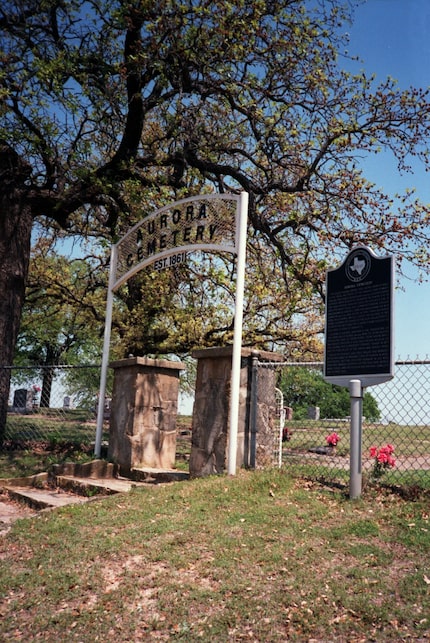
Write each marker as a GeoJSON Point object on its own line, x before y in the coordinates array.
{"type": "Point", "coordinates": [211, 411]}
{"type": "Point", "coordinates": [143, 413]}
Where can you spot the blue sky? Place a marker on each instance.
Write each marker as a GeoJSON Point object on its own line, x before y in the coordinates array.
{"type": "Point", "coordinates": [392, 37]}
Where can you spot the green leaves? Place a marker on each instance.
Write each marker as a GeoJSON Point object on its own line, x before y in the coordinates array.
{"type": "Point", "coordinates": [121, 108]}
{"type": "Point", "coordinates": [303, 387]}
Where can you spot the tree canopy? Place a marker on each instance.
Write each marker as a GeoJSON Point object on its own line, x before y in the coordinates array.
{"type": "Point", "coordinates": [305, 387]}
{"type": "Point", "coordinates": [109, 110]}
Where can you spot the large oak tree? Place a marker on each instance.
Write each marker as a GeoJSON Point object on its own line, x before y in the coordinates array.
{"type": "Point", "coordinates": [100, 97]}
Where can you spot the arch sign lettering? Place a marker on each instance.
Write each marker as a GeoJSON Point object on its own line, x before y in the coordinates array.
{"type": "Point", "coordinates": [215, 222]}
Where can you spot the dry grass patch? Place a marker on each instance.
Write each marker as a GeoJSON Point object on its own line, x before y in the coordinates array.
{"type": "Point", "coordinates": [258, 557]}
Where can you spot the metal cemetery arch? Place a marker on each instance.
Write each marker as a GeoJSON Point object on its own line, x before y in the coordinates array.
{"type": "Point", "coordinates": [215, 222]}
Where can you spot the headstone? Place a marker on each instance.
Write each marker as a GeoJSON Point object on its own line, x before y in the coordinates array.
{"type": "Point", "coordinates": [67, 402]}
{"type": "Point", "coordinates": [313, 412]}
{"type": "Point", "coordinates": [288, 413]}
{"type": "Point", "coordinates": [23, 400]}
{"type": "Point", "coordinates": [107, 408]}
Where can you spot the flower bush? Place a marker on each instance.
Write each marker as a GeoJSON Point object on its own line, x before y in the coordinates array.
{"type": "Point", "coordinates": [384, 460]}
{"type": "Point", "coordinates": [332, 439]}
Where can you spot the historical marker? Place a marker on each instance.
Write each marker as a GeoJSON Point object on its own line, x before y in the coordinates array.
{"type": "Point", "coordinates": [359, 320]}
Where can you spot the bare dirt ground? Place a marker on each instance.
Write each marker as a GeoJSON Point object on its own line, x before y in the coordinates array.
{"type": "Point", "coordinates": [11, 510]}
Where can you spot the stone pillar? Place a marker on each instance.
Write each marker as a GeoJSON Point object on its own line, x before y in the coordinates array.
{"type": "Point", "coordinates": [209, 446]}
{"type": "Point", "coordinates": [143, 413]}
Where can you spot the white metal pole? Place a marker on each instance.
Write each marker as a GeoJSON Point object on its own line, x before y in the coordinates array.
{"type": "Point", "coordinates": [237, 337]}
{"type": "Point", "coordinates": [281, 430]}
{"type": "Point", "coordinates": [356, 395]}
{"type": "Point", "coordinates": [105, 356]}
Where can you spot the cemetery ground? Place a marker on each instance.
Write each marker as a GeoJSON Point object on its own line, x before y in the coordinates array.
{"type": "Point", "coordinates": [262, 556]}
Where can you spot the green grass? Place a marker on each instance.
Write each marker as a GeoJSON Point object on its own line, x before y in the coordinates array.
{"type": "Point", "coordinates": [412, 452]}
{"type": "Point", "coordinates": [259, 557]}
{"type": "Point", "coordinates": [26, 462]}
{"type": "Point", "coordinates": [408, 440]}
{"type": "Point", "coordinates": [51, 428]}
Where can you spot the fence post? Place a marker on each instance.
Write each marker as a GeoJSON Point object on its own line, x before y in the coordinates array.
{"type": "Point", "coordinates": [356, 395]}
{"type": "Point", "coordinates": [253, 410]}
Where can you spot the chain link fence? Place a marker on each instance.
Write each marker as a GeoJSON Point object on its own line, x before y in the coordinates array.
{"type": "Point", "coordinates": [315, 425]}
{"type": "Point", "coordinates": [54, 405]}
{"type": "Point", "coordinates": [311, 427]}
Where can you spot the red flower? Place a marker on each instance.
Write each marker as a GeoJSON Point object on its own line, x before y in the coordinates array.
{"type": "Point", "coordinates": [391, 461]}
{"type": "Point", "coordinates": [332, 439]}
{"type": "Point", "coordinates": [383, 458]}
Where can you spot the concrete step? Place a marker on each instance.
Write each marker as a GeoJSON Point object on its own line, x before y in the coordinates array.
{"type": "Point", "coordinates": [158, 475]}
{"type": "Point", "coordinates": [91, 486]}
{"type": "Point", "coordinates": [72, 483]}
{"type": "Point", "coordinates": [43, 498]}
{"type": "Point", "coordinates": [102, 470]}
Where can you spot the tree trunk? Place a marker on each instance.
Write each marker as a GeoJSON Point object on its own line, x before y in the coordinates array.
{"type": "Point", "coordinates": [45, 396]}
{"type": "Point", "coordinates": [15, 242]}
{"type": "Point", "coordinates": [47, 380]}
